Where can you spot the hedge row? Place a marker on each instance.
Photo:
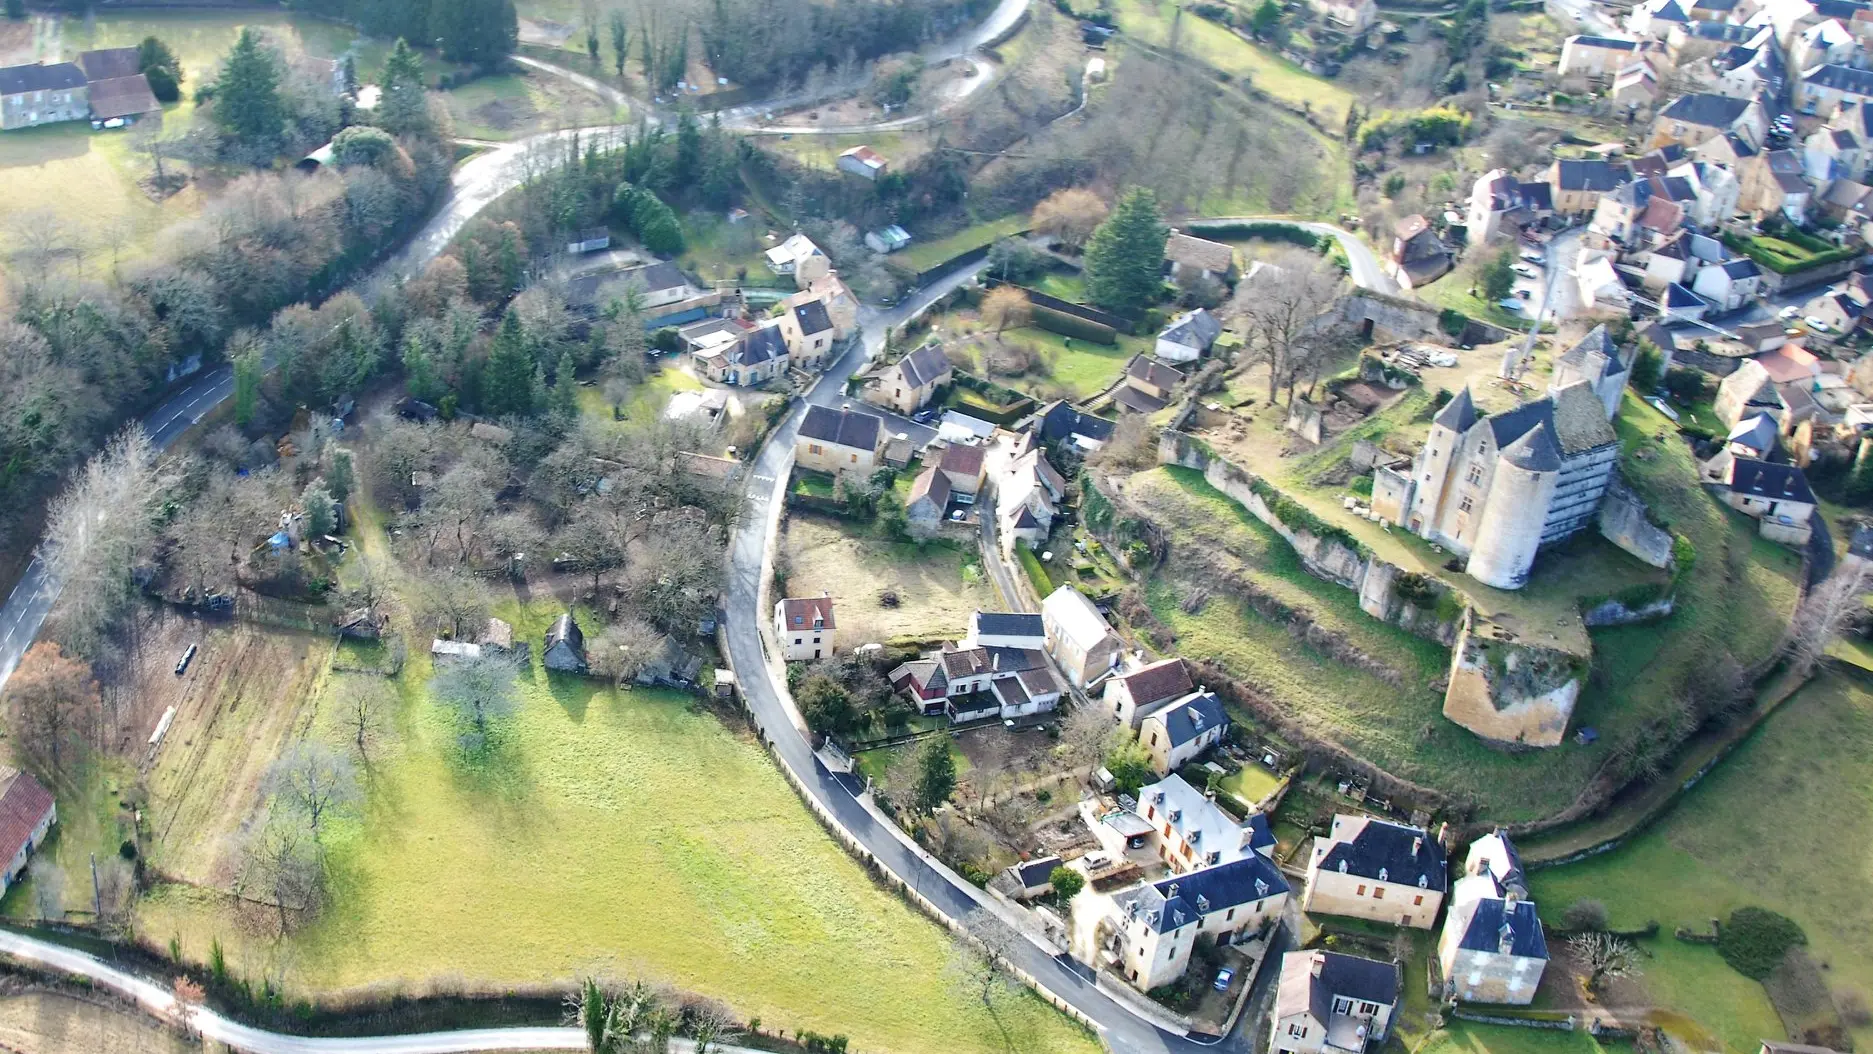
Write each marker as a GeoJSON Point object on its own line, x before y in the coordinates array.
{"type": "Point", "coordinates": [1067, 326]}
{"type": "Point", "coordinates": [1780, 263]}
{"type": "Point", "coordinates": [1273, 232]}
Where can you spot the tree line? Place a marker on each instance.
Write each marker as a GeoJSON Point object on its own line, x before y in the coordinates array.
{"type": "Point", "coordinates": [477, 32]}
{"type": "Point", "coordinates": [762, 43]}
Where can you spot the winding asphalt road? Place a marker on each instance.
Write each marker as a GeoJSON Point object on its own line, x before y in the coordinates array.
{"type": "Point", "coordinates": [1368, 273]}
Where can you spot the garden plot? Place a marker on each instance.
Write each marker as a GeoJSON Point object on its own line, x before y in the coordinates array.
{"type": "Point", "coordinates": [885, 590]}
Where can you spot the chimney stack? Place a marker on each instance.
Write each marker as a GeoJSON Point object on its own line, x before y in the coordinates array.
{"type": "Point", "coordinates": [1319, 961]}
{"type": "Point", "coordinates": [1416, 845]}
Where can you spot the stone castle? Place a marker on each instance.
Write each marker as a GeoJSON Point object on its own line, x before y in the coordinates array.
{"type": "Point", "coordinates": [1497, 488]}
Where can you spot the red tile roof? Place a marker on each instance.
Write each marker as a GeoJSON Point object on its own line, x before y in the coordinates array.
{"type": "Point", "coordinates": [800, 612]}
{"type": "Point", "coordinates": [1160, 680]}
{"type": "Point", "coordinates": [24, 803]}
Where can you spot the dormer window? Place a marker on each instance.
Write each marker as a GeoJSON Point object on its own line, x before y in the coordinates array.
{"type": "Point", "coordinates": [1424, 882]}
{"type": "Point", "coordinates": [1384, 875]}
{"type": "Point", "coordinates": [1261, 889]}
{"type": "Point", "coordinates": [1342, 867]}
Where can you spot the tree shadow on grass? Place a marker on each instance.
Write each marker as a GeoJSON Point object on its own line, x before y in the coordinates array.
{"type": "Point", "coordinates": [572, 692]}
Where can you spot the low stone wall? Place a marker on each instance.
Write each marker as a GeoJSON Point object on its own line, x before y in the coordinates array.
{"type": "Point", "coordinates": [1623, 522]}
{"type": "Point", "coordinates": [1376, 581]}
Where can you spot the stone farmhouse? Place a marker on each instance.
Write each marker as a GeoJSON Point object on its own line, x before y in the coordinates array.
{"type": "Point", "coordinates": [1492, 949]}
{"type": "Point", "coordinates": [1375, 869]}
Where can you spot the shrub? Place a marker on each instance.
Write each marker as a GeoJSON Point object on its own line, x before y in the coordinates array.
{"type": "Point", "coordinates": [1273, 232]}
{"type": "Point", "coordinates": [1453, 322]}
{"type": "Point", "coordinates": [1073, 326]}
{"type": "Point", "coordinates": [1754, 940]}
{"type": "Point", "coordinates": [1067, 882]}
{"type": "Point", "coordinates": [1584, 914]}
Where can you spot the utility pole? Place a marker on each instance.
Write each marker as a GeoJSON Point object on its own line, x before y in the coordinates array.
{"type": "Point", "coordinates": [97, 894]}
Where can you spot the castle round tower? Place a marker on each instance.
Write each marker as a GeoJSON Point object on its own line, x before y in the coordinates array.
{"type": "Point", "coordinates": [1527, 471]}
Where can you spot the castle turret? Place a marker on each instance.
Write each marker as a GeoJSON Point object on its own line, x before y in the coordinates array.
{"type": "Point", "coordinates": [1526, 473]}
{"type": "Point", "coordinates": [1433, 467]}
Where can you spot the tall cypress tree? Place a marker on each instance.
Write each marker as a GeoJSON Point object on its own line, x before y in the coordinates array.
{"type": "Point", "coordinates": [507, 381]}
{"type": "Point", "coordinates": [247, 97]}
{"type": "Point", "coordinates": [1125, 258]}
{"type": "Point", "coordinates": [404, 106]}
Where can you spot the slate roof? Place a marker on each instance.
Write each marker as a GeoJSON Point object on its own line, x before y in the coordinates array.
{"type": "Point", "coordinates": [924, 673]}
{"type": "Point", "coordinates": [1741, 267]}
{"type": "Point", "coordinates": [1772, 482]}
{"type": "Point", "coordinates": [1190, 717]}
{"type": "Point", "coordinates": [566, 630]}
{"type": "Point", "coordinates": [799, 612]}
{"type": "Point", "coordinates": [923, 366]}
{"type": "Point", "coordinates": [1536, 451]}
{"type": "Point", "coordinates": [1381, 845]}
{"type": "Point", "coordinates": [122, 97]}
{"type": "Point", "coordinates": [1169, 678]}
{"type": "Point", "coordinates": [1138, 402]}
{"type": "Point", "coordinates": [1199, 252]}
{"type": "Point", "coordinates": [1058, 420]}
{"type": "Point", "coordinates": [1757, 431]}
{"type": "Point", "coordinates": [1579, 420]}
{"type": "Point", "coordinates": [1008, 624]}
{"type": "Point", "coordinates": [931, 484]}
{"type": "Point", "coordinates": [962, 457]}
{"type": "Point", "coordinates": [1193, 329]}
{"type": "Point", "coordinates": [1484, 933]}
{"type": "Point", "coordinates": [1036, 872]}
{"type": "Point", "coordinates": [1840, 78]}
{"type": "Point", "coordinates": [1035, 680]}
{"type": "Point", "coordinates": [56, 76]}
{"type": "Point", "coordinates": [1672, 12]}
{"type": "Point", "coordinates": [1302, 991]}
{"type": "Point", "coordinates": [108, 63]}
{"type": "Point", "coordinates": [959, 663]}
{"type": "Point", "coordinates": [1221, 887]}
{"type": "Point", "coordinates": [1591, 174]}
{"type": "Point", "coordinates": [657, 276]}
{"type": "Point", "coordinates": [762, 345]}
{"type": "Point", "coordinates": [1153, 372]}
{"type": "Point", "coordinates": [812, 317]}
{"type": "Point", "coordinates": [844, 427]}
{"type": "Point", "coordinates": [1597, 340]}
{"type": "Point", "coordinates": [1678, 296]}
{"type": "Point", "coordinates": [1709, 111]}
{"type": "Point", "coordinates": [1459, 413]}
{"type": "Point", "coordinates": [1612, 43]}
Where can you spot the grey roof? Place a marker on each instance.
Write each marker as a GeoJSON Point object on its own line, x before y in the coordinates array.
{"type": "Point", "coordinates": [1673, 12]}
{"type": "Point", "coordinates": [1741, 267]}
{"type": "Point", "coordinates": [1261, 835]}
{"type": "Point", "coordinates": [812, 317]}
{"type": "Point", "coordinates": [1710, 111]}
{"type": "Point", "coordinates": [1060, 419]}
{"type": "Point", "coordinates": [1597, 340]}
{"type": "Point", "coordinates": [1491, 914]}
{"type": "Point", "coordinates": [1008, 624]}
{"type": "Point", "coordinates": [1193, 329]}
{"type": "Point", "coordinates": [1153, 372]}
{"type": "Point", "coordinates": [566, 630]}
{"type": "Point", "coordinates": [1382, 845]}
{"type": "Point", "coordinates": [1180, 900]}
{"type": "Point", "coordinates": [56, 76]}
{"type": "Point", "coordinates": [1302, 991]}
{"type": "Point", "coordinates": [1536, 451]}
{"type": "Point", "coordinates": [1757, 431]}
{"type": "Point", "coordinates": [1678, 296]}
{"type": "Point", "coordinates": [1191, 716]}
{"type": "Point", "coordinates": [1763, 479]}
{"type": "Point", "coordinates": [658, 276]}
{"type": "Point", "coordinates": [1840, 78]}
{"type": "Point", "coordinates": [1037, 872]}
{"type": "Point", "coordinates": [1591, 174]}
{"type": "Point", "coordinates": [762, 345]}
{"type": "Point", "coordinates": [924, 365]}
{"type": "Point", "coordinates": [1579, 420]}
{"type": "Point", "coordinates": [107, 63]}
{"type": "Point", "coordinates": [1605, 42]}
{"type": "Point", "coordinates": [845, 427]}
{"type": "Point", "coordinates": [1459, 413]}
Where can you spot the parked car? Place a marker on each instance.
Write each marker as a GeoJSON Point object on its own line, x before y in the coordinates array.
{"type": "Point", "coordinates": [1526, 271]}
{"type": "Point", "coordinates": [1530, 256]}
{"type": "Point", "coordinates": [1510, 303]}
{"type": "Point", "coordinates": [1223, 977]}
{"type": "Point", "coordinates": [1522, 293]}
{"type": "Point", "coordinates": [1789, 312]}
{"type": "Point", "coordinates": [1816, 323]}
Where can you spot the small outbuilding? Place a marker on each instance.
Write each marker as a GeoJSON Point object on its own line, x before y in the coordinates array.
{"type": "Point", "coordinates": [565, 646]}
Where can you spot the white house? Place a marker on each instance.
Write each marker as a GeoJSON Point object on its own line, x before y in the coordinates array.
{"type": "Point", "coordinates": [1332, 1002]}
{"type": "Point", "coordinates": [805, 627]}
{"type": "Point", "coordinates": [1181, 732]}
{"type": "Point", "coordinates": [1826, 87]}
{"type": "Point", "coordinates": [1730, 284]}
{"type": "Point", "coordinates": [1584, 56]}
{"type": "Point", "coordinates": [1138, 693]}
{"type": "Point", "coordinates": [1006, 629]}
{"type": "Point", "coordinates": [1153, 927]}
{"type": "Point", "coordinates": [1078, 637]}
{"type": "Point", "coordinates": [798, 258]}
{"type": "Point", "coordinates": [1492, 949]}
{"type": "Point", "coordinates": [1190, 831]}
{"type": "Point", "coordinates": [1188, 337]}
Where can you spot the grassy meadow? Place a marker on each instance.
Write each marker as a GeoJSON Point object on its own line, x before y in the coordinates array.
{"type": "Point", "coordinates": [619, 833]}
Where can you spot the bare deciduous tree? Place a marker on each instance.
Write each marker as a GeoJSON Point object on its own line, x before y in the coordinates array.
{"type": "Point", "coordinates": [1006, 307]}
{"type": "Point", "coordinates": [1069, 216]}
{"type": "Point", "coordinates": [712, 1026]}
{"type": "Point", "coordinates": [1085, 737]}
{"type": "Point", "coordinates": [315, 781]}
{"type": "Point", "coordinates": [48, 881]}
{"type": "Point", "coordinates": [1280, 309]}
{"type": "Point", "coordinates": [621, 649]}
{"type": "Point", "coordinates": [479, 690]}
{"type": "Point", "coordinates": [95, 532]}
{"type": "Point", "coordinates": [1825, 612]}
{"type": "Point", "coordinates": [1604, 957]}
{"type": "Point", "coordinates": [451, 600]}
{"type": "Point", "coordinates": [280, 865]}
{"type": "Point", "coordinates": [52, 701]}
{"type": "Point", "coordinates": [978, 968]}
{"type": "Point", "coordinates": [364, 707]}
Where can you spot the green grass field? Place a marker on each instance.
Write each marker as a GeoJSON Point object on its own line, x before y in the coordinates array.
{"type": "Point", "coordinates": [626, 834]}
{"type": "Point", "coordinates": [1782, 824]}
{"type": "Point", "coordinates": [1081, 367]}
{"type": "Point", "coordinates": [513, 105]}
{"type": "Point", "coordinates": [1152, 21]}
{"type": "Point", "coordinates": [923, 255]}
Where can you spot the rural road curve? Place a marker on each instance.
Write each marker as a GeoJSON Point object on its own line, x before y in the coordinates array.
{"type": "Point", "coordinates": [1368, 273]}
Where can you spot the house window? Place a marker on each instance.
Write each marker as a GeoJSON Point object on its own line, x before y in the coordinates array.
{"type": "Point", "coordinates": [1297, 1030]}
{"type": "Point", "coordinates": [1368, 1009]}
{"type": "Point", "coordinates": [1231, 915]}
{"type": "Point", "coordinates": [1154, 739]}
{"type": "Point", "coordinates": [855, 459]}
{"type": "Point", "coordinates": [1342, 1005]}
{"type": "Point", "coordinates": [1378, 892]}
{"type": "Point", "coordinates": [1476, 473]}
{"type": "Point", "coordinates": [816, 640]}
{"type": "Point", "coordinates": [813, 448]}
{"type": "Point", "coordinates": [1417, 901]}
{"type": "Point", "coordinates": [900, 393]}
{"type": "Point", "coordinates": [1361, 891]}
{"type": "Point", "coordinates": [1465, 505]}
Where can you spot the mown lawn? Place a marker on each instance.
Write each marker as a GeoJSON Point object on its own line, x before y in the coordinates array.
{"type": "Point", "coordinates": [933, 588]}
{"type": "Point", "coordinates": [626, 834]}
{"type": "Point", "coordinates": [1082, 367]}
{"type": "Point", "coordinates": [1783, 823]}
{"type": "Point", "coordinates": [922, 255]}
{"type": "Point", "coordinates": [1465, 1037]}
